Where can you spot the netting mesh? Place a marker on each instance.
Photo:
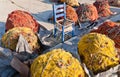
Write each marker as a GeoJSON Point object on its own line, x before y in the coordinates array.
{"type": "Point", "coordinates": [87, 12]}
{"type": "Point", "coordinates": [20, 18]}
{"type": "Point", "coordinates": [56, 63]}
{"type": "Point", "coordinates": [103, 8]}
{"type": "Point", "coordinates": [112, 30]}
{"type": "Point", "coordinates": [71, 13]}
{"type": "Point", "coordinates": [10, 38]}
{"type": "Point", "coordinates": [98, 52]}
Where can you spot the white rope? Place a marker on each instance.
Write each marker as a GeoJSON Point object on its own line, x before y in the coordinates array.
{"type": "Point", "coordinates": [46, 64]}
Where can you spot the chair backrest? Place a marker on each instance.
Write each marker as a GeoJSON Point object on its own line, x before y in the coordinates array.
{"type": "Point", "coordinates": [59, 11]}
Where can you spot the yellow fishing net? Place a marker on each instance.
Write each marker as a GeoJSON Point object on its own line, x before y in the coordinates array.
{"type": "Point", "coordinates": [56, 63]}
{"type": "Point", "coordinates": [97, 51]}
{"type": "Point", "coordinates": [71, 2]}
{"type": "Point", "coordinates": [10, 38]}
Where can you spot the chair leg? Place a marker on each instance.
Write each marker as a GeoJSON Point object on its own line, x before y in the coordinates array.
{"type": "Point", "coordinates": [63, 34]}
{"type": "Point", "coordinates": [72, 33]}
{"type": "Point", "coordinates": [73, 30]}
{"type": "Point", "coordinates": [54, 32]}
{"type": "Point", "coordinates": [79, 24]}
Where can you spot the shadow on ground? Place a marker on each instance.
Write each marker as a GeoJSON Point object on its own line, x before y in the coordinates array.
{"type": "Point", "coordinates": [47, 1]}
{"type": "Point", "coordinates": [2, 28]}
{"type": "Point", "coordinates": [43, 16]}
{"type": "Point", "coordinates": [115, 9]}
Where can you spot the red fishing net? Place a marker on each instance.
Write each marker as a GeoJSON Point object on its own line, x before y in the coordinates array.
{"type": "Point", "coordinates": [103, 8]}
{"type": "Point", "coordinates": [20, 18]}
{"type": "Point", "coordinates": [87, 12]}
{"type": "Point", "coordinates": [71, 13]}
{"type": "Point", "coordinates": [112, 30]}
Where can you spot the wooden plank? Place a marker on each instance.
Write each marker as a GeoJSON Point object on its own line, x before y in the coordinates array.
{"type": "Point", "coordinates": [20, 67]}
{"type": "Point", "coordinates": [59, 6]}
{"type": "Point", "coordinates": [60, 15]}
{"type": "Point", "coordinates": [68, 29]}
{"type": "Point", "coordinates": [59, 10]}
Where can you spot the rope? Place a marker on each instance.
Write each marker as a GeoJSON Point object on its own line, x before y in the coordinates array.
{"type": "Point", "coordinates": [46, 64]}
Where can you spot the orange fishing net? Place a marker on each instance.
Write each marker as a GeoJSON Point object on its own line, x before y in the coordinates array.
{"type": "Point", "coordinates": [87, 12]}
{"type": "Point", "coordinates": [20, 18]}
{"type": "Point", "coordinates": [112, 30]}
{"type": "Point", "coordinates": [103, 8]}
{"type": "Point", "coordinates": [71, 13]}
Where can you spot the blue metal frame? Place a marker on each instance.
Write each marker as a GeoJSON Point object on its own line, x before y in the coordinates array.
{"type": "Point", "coordinates": [55, 20]}
{"type": "Point", "coordinates": [63, 34]}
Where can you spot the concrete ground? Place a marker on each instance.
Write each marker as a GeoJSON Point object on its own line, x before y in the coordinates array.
{"type": "Point", "coordinates": [40, 9]}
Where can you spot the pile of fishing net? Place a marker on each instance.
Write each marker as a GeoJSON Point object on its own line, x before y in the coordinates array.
{"type": "Point", "coordinates": [20, 18]}
{"type": "Point", "coordinates": [10, 38]}
{"type": "Point", "coordinates": [70, 2]}
{"type": "Point", "coordinates": [71, 13]}
{"type": "Point", "coordinates": [56, 63]}
{"type": "Point", "coordinates": [105, 27]}
{"type": "Point", "coordinates": [114, 2]}
{"type": "Point", "coordinates": [103, 8]}
{"type": "Point", "coordinates": [87, 12]}
{"type": "Point", "coordinates": [112, 30]}
{"type": "Point", "coordinates": [98, 52]}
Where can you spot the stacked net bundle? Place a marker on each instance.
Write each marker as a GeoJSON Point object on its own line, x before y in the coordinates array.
{"type": "Point", "coordinates": [56, 63]}
{"type": "Point", "coordinates": [10, 38]}
{"type": "Point", "coordinates": [87, 12]}
{"type": "Point", "coordinates": [20, 18]}
{"type": "Point", "coordinates": [112, 30]}
{"type": "Point", "coordinates": [71, 2]}
{"type": "Point", "coordinates": [103, 8]}
{"type": "Point", "coordinates": [98, 52]}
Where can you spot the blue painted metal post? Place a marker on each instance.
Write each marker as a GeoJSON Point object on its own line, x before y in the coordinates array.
{"type": "Point", "coordinates": [73, 30]}
{"type": "Point", "coordinates": [64, 11]}
{"type": "Point", "coordinates": [54, 32]}
{"type": "Point", "coordinates": [62, 33]}
{"type": "Point", "coordinates": [54, 14]}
